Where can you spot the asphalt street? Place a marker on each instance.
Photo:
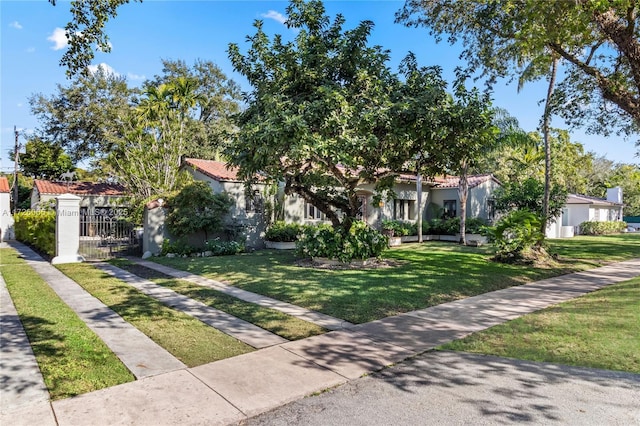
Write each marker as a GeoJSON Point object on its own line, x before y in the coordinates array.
{"type": "Point", "coordinates": [447, 388]}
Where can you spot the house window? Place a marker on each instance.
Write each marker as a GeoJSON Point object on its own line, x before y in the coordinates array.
{"type": "Point", "coordinates": [312, 212]}
{"type": "Point", "coordinates": [404, 209]}
{"type": "Point", "coordinates": [565, 217]}
{"type": "Point", "coordinates": [254, 202]}
{"type": "Point", "coordinates": [596, 214]}
{"type": "Point", "coordinates": [450, 208]}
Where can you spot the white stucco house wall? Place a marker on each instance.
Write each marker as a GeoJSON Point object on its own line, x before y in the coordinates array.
{"type": "Point", "coordinates": [6, 218]}
{"type": "Point", "coordinates": [444, 197]}
{"type": "Point", "coordinates": [582, 208]}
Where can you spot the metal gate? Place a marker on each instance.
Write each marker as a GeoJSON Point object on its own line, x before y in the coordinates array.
{"type": "Point", "coordinates": [106, 233]}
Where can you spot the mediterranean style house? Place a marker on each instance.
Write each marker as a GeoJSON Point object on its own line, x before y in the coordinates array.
{"type": "Point", "coordinates": [439, 199]}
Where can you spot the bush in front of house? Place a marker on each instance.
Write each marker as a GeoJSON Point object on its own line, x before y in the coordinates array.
{"type": "Point", "coordinates": [215, 247]}
{"type": "Point", "coordinates": [399, 228]}
{"type": "Point", "coordinates": [602, 228]}
{"type": "Point", "coordinates": [223, 248]}
{"type": "Point", "coordinates": [360, 242]}
{"type": "Point", "coordinates": [197, 208]}
{"type": "Point", "coordinates": [515, 236]}
{"type": "Point", "coordinates": [37, 228]}
{"type": "Point", "coordinates": [282, 232]}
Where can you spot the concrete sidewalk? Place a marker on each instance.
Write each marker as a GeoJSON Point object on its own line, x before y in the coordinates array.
{"type": "Point", "coordinates": [231, 390]}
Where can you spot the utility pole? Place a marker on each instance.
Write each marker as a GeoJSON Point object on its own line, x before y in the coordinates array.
{"type": "Point", "coordinates": [15, 171]}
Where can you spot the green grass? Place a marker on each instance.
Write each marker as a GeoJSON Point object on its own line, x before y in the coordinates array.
{"type": "Point", "coordinates": [597, 250]}
{"type": "Point", "coordinates": [429, 274]}
{"type": "Point", "coordinates": [284, 325]}
{"type": "Point", "coordinates": [72, 358]}
{"type": "Point", "coordinates": [599, 330]}
{"type": "Point", "coordinates": [188, 339]}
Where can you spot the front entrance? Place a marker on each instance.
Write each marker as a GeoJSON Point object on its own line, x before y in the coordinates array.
{"type": "Point", "coordinates": [106, 233]}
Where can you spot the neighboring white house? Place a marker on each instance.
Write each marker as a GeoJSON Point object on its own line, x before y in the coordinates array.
{"type": "Point", "coordinates": [582, 208]}
{"type": "Point", "coordinates": [6, 219]}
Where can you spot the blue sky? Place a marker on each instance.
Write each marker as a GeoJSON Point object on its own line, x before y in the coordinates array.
{"type": "Point", "coordinates": [142, 34]}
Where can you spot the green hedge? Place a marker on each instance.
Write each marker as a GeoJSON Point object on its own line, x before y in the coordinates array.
{"type": "Point", "coordinates": [37, 228]}
{"type": "Point", "coordinates": [602, 228]}
{"type": "Point", "coordinates": [283, 232]}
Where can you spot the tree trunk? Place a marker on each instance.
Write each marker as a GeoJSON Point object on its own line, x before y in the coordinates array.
{"type": "Point", "coordinates": [546, 120]}
{"type": "Point", "coordinates": [463, 193]}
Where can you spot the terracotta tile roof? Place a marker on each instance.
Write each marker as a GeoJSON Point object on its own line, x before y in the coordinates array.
{"type": "Point", "coordinates": [4, 184]}
{"type": "Point", "coordinates": [585, 199]}
{"type": "Point", "coordinates": [79, 188]}
{"type": "Point", "coordinates": [453, 181]}
{"type": "Point", "coordinates": [214, 169]}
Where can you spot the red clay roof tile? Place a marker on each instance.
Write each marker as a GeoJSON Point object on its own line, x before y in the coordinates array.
{"type": "Point", "coordinates": [214, 169]}
{"type": "Point", "coordinates": [79, 188]}
{"type": "Point", "coordinates": [4, 184]}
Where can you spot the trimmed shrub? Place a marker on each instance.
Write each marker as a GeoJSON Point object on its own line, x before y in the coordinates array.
{"type": "Point", "coordinates": [399, 228]}
{"type": "Point", "coordinates": [602, 228]}
{"type": "Point", "coordinates": [37, 228]}
{"type": "Point", "coordinates": [282, 232]}
{"type": "Point", "coordinates": [515, 236]}
{"type": "Point", "coordinates": [360, 242]}
{"type": "Point", "coordinates": [223, 248]}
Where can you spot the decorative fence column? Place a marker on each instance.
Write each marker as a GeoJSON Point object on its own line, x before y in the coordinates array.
{"type": "Point", "coordinates": [67, 229]}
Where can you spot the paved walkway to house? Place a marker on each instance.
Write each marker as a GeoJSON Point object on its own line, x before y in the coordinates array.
{"type": "Point", "coordinates": [142, 356]}
{"type": "Point", "coordinates": [233, 326]}
{"type": "Point", "coordinates": [231, 390]}
{"type": "Point", "coordinates": [323, 320]}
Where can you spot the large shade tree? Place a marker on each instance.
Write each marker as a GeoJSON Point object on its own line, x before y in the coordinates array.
{"type": "Point", "coordinates": [317, 118]}
{"type": "Point", "coordinates": [597, 41]}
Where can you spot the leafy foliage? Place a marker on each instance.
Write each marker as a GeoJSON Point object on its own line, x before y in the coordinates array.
{"type": "Point", "coordinates": [602, 228]}
{"type": "Point", "coordinates": [317, 116]}
{"type": "Point", "coordinates": [359, 242]}
{"type": "Point", "coordinates": [528, 196]}
{"type": "Point", "coordinates": [37, 228]}
{"type": "Point", "coordinates": [597, 41]}
{"type": "Point", "coordinates": [196, 208]}
{"type": "Point", "coordinates": [281, 231]}
{"type": "Point", "coordinates": [84, 117]}
{"type": "Point", "coordinates": [515, 236]}
{"type": "Point", "coordinates": [44, 160]}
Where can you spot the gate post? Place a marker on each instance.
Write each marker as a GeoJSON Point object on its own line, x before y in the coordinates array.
{"type": "Point", "coordinates": [67, 229]}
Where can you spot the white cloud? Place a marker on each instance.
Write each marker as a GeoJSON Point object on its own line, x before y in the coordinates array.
{"type": "Point", "coordinates": [106, 67]}
{"type": "Point", "coordinates": [132, 76]}
{"type": "Point", "coordinates": [276, 16]}
{"type": "Point", "coordinates": [59, 39]}
{"type": "Point", "coordinates": [16, 25]}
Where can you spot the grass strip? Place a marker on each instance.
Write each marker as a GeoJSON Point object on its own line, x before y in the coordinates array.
{"type": "Point", "coordinates": [599, 330]}
{"type": "Point", "coordinates": [291, 328]}
{"type": "Point", "coordinates": [188, 339]}
{"type": "Point", "coordinates": [427, 274]}
{"type": "Point", "coordinates": [72, 358]}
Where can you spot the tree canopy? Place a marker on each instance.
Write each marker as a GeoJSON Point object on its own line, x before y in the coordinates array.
{"type": "Point", "coordinates": [44, 160]}
{"type": "Point", "coordinates": [318, 116]}
{"type": "Point", "coordinates": [597, 40]}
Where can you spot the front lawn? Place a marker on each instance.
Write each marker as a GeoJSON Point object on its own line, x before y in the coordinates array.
{"type": "Point", "coordinates": [191, 341]}
{"type": "Point", "coordinates": [599, 330]}
{"type": "Point", "coordinates": [72, 358]}
{"type": "Point", "coordinates": [429, 274]}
